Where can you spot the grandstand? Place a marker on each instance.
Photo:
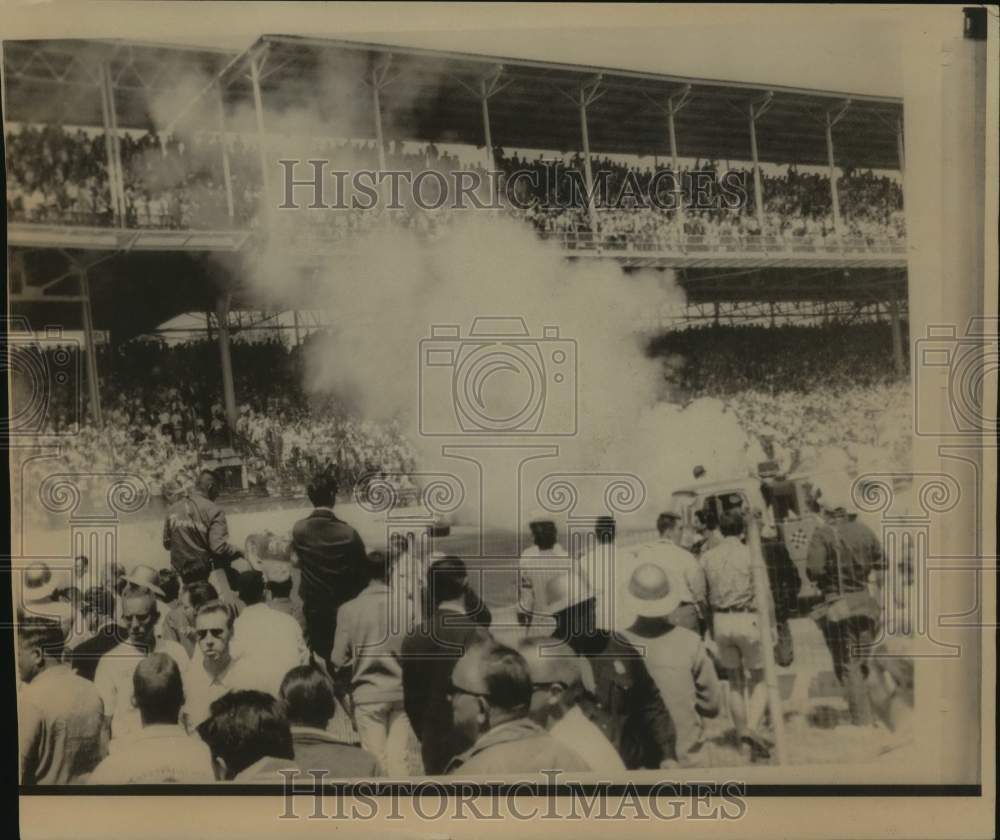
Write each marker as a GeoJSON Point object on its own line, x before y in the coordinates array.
{"type": "Point", "coordinates": [84, 255]}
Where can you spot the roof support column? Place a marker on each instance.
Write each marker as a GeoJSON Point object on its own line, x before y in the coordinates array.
{"type": "Point", "coordinates": [488, 87]}
{"type": "Point", "coordinates": [588, 94]}
{"type": "Point", "coordinates": [832, 118]}
{"type": "Point", "coordinates": [116, 195]}
{"type": "Point", "coordinates": [227, 176]}
{"type": "Point", "coordinates": [491, 163]}
{"type": "Point", "coordinates": [222, 302]}
{"type": "Point", "coordinates": [899, 146]}
{"type": "Point", "coordinates": [897, 337]}
{"type": "Point", "coordinates": [116, 143]}
{"type": "Point", "coordinates": [378, 81]}
{"type": "Point", "coordinates": [93, 386]}
{"type": "Point", "coordinates": [757, 110]}
{"type": "Point", "coordinates": [258, 102]}
{"type": "Point", "coordinates": [674, 104]}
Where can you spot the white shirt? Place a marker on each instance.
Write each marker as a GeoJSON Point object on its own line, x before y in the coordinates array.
{"type": "Point", "coordinates": [113, 680]}
{"type": "Point", "coordinates": [266, 645]}
{"type": "Point", "coordinates": [156, 753]}
{"type": "Point", "coordinates": [201, 689]}
{"type": "Point", "coordinates": [584, 737]}
{"type": "Point", "coordinates": [537, 567]}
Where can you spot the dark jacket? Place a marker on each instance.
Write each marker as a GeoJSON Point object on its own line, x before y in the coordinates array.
{"type": "Point", "coordinates": [842, 553]}
{"type": "Point", "coordinates": [517, 746]}
{"type": "Point", "coordinates": [317, 750]}
{"type": "Point", "coordinates": [197, 536]}
{"type": "Point", "coordinates": [84, 657]}
{"type": "Point", "coordinates": [429, 654]}
{"type": "Point", "coordinates": [626, 705]}
{"type": "Point", "coordinates": [784, 578]}
{"type": "Point", "coordinates": [332, 560]}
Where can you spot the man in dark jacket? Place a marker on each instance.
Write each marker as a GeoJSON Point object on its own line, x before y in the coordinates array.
{"type": "Point", "coordinates": [842, 554]}
{"type": "Point", "coordinates": [627, 705]}
{"type": "Point", "coordinates": [197, 536]}
{"type": "Point", "coordinates": [429, 654]}
{"type": "Point", "coordinates": [333, 563]}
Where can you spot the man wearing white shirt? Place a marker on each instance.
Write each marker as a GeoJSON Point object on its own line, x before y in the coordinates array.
{"type": "Point", "coordinates": [558, 680]}
{"type": "Point", "coordinates": [540, 562]}
{"type": "Point", "coordinates": [161, 751]}
{"type": "Point", "coordinates": [113, 678]}
{"type": "Point", "coordinates": [267, 644]}
{"type": "Point", "coordinates": [208, 676]}
{"type": "Point", "coordinates": [687, 577]}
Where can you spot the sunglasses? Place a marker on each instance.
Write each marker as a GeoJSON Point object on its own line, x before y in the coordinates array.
{"type": "Point", "coordinates": [456, 690]}
{"type": "Point", "coordinates": [139, 619]}
{"type": "Point", "coordinates": [214, 632]}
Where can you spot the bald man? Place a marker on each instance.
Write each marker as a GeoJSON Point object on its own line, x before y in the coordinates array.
{"type": "Point", "coordinates": [559, 678]}
{"type": "Point", "coordinates": [490, 695]}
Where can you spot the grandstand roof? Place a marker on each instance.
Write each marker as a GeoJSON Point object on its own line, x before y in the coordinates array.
{"type": "Point", "coordinates": [430, 96]}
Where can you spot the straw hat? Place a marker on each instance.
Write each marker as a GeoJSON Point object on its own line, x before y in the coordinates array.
{"type": "Point", "coordinates": [39, 585]}
{"type": "Point", "coordinates": [649, 593]}
{"type": "Point", "coordinates": [147, 578]}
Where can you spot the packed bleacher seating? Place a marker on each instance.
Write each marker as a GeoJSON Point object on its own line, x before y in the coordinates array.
{"type": "Point", "coordinates": [803, 388]}
{"type": "Point", "coordinates": [159, 421]}
{"type": "Point", "coordinates": [58, 174]}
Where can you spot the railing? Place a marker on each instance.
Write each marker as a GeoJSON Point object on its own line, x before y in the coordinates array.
{"type": "Point", "coordinates": [695, 244]}
{"type": "Point", "coordinates": [612, 243]}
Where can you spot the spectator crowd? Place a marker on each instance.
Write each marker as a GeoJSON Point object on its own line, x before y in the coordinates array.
{"type": "Point", "coordinates": [59, 175]}
{"type": "Point", "coordinates": [322, 657]}
{"type": "Point", "coordinates": [797, 390]}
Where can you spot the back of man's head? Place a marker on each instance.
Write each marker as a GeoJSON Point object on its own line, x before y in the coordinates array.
{"type": "Point", "coordinates": [731, 523]}
{"type": "Point", "coordinates": [169, 581]}
{"type": "Point", "coordinates": [506, 677]}
{"type": "Point", "coordinates": [36, 631]}
{"type": "Point", "coordinates": [447, 580]}
{"type": "Point", "coordinates": [207, 484]}
{"type": "Point", "coordinates": [200, 593]}
{"type": "Point", "coordinates": [322, 490]}
{"type": "Point", "coordinates": [251, 586]}
{"type": "Point", "coordinates": [666, 522]}
{"type": "Point", "coordinates": [308, 696]}
{"type": "Point", "coordinates": [243, 727]}
{"type": "Point", "coordinates": [157, 689]}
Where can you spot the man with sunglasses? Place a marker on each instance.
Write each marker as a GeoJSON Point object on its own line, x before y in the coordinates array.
{"type": "Point", "coordinates": [559, 680]}
{"type": "Point", "coordinates": [210, 672]}
{"type": "Point", "coordinates": [113, 678]}
{"type": "Point", "coordinates": [490, 695]}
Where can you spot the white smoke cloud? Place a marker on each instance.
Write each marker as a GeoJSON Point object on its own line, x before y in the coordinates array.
{"type": "Point", "coordinates": [388, 288]}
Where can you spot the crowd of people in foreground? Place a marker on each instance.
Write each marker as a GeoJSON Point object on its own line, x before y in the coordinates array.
{"type": "Point", "coordinates": [388, 663]}
{"type": "Point", "coordinates": [58, 174]}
